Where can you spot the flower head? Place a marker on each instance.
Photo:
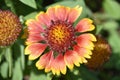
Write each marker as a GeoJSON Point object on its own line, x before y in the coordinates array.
{"type": "Point", "coordinates": [10, 28]}
{"type": "Point", "coordinates": [52, 37]}
{"type": "Point", "coordinates": [101, 54]}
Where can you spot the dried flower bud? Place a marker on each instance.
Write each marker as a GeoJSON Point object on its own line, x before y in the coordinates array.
{"type": "Point", "coordinates": [10, 27]}
{"type": "Point", "coordinates": [101, 54]}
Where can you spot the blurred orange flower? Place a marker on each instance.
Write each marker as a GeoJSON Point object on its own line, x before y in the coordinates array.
{"type": "Point", "coordinates": [10, 27]}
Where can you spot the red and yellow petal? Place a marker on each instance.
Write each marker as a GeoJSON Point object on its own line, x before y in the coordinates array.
{"type": "Point", "coordinates": [43, 19]}
{"type": "Point", "coordinates": [89, 36]}
{"type": "Point", "coordinates": [71, 58]}
{"type": "Point", "coordinates": [51, 13]}
{"type": "Point", "coordinates": [45, 61]}
{"type": "Point", "coordinates": [85, 25]}
{"type": "Point", "coordinates": [58, 65]}
{"type": "Point", "coordinates": [74, 13]}
{"type": "Point", "coordinates": [33, 38]}
{"type": "Point", "coordinates": [62, 12]}
{"type": "Point", "coordinates": [85, 40]}
{"type": "Point", "coordinates": [35, 50]}
{"type": "Point", "coordinates": [34, 26]}
{"type": "Point", "coordinates": [83, 53]}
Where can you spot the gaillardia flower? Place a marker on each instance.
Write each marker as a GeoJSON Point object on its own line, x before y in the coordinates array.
{"type": "Point", "coordinates": [10, 28]}
{"type": "Point", "coordinates": [53, 38]}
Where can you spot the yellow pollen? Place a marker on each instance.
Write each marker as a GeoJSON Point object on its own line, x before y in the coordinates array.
{"type": "Point", "coordinates": [60, 36]}
{"type": "Point", "coordinates": [58, 33]}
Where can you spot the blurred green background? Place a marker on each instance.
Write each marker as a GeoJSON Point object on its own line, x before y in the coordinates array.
{"type": "Point", "coordinates": [14, 65]}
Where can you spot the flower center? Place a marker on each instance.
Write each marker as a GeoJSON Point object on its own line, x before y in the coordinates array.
{"type": "Point", "coordinates": [60, 36]}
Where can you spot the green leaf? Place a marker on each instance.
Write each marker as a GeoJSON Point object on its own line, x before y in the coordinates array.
{"type": "Point", "coordinates": [18, 50]}
{"type": "Point", "coordinates": [2, 52]}
{"type": "Point", "coordinates": [22, 9]}
{"type": "Point", "coordinates": [110, 25]}
{"type": "Point", "coordinates": [101, 16]}
{"type": "Point", "coordinates": [89, 12]}
{"type": "Point", "coordinates": [10, 4]}
{"type": "Point", "coordinates": [111, 7]}
{"type": "Point", "coordinates": [39, 75]}
{"type": "Point", "coordinates": [4, 69]}
{"type": "Point", "coordinates": [114, 61]}
{"type": "Point", "coordinates": [85, 74]}
{"type": "Point", "coordinates": [22, 58]}
{"type": "Point", "coordinates": [114, 38]}
{"type": "Point", "coordinates": [17, 71]}
{"type": "Point", "coordinates": [8, 56]}
{"type": "Point", "coordinates": [114, 41]}
{"type": "Point", "coordinates": [30, 16]}
{"type": "Point", "coordinates": [98, 29]}
{"type": "Point", "coordinates": [30, 3]}
{"type": "Point", "coordinates": [79, 73]}
{"type": "Point", "coordinates": [34, 76]}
